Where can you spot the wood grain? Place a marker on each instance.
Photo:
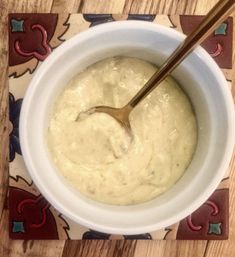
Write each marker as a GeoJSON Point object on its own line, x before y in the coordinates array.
{"type": "Point", "coordinates": [64, 6]}
{"type": "Point", "coordinates": [99, 248]}
{"type": "Point", "coordinates": [170, 248]}
{"type": "Point", "coordinates": [96, 248]}
{"type": "Point", "coordinates": [164, 7]}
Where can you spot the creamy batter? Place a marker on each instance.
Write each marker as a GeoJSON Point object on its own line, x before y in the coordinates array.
{"type": "Point", "coordinates": [98, 157]}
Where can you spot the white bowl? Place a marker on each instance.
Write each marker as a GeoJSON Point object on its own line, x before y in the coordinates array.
{"type": "Point", "coordinates": [198, 75]}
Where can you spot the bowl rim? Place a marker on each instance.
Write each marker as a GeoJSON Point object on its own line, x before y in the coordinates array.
{"type": "Point", "coordinates": [202, 197]}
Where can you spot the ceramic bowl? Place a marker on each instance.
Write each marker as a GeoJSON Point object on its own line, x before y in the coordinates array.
{"type": "Point", "coordinates": [200, 78]}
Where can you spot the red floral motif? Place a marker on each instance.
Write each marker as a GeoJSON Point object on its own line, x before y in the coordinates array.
{"type": "Point", "coordinates": [33, 214]}
{"type": "Point", "coordinates": [191, 225]}
{"type": "Point", "coordinates": [217, 51]}
{"type": "Point", "coordinates": [214, 212]}
{"type": "Point", "coordinates": [36, 54]}
{"type": "Point", "coordinates": [34, 40]}
{"type": "Point", "coordinates": [214, 207]}
{"type": "Point", "coordinates": [30, 215]}
{"type": "Point", "coordinates": [25, 202]}
{"type": "Point", "coordinates": [43, 217]}
{"type": "Point", "coordinates": [219, 45]}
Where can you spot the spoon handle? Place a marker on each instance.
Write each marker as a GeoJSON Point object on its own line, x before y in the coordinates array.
{"type": "Point", "coordinates": [217, 15]}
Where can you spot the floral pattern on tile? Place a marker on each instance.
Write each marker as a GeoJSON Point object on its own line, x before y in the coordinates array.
{"type": "Point", "coordinates": [32, 37]}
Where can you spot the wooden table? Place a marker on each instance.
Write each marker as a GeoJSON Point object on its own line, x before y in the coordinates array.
{"type": "Point", "coordinates": [96, 248]}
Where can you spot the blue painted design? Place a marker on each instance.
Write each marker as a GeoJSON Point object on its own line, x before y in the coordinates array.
{"type": "Point", "coordinates": [215, 228]}
{"type": "Point", "coordinates": [92, 234]}
{"type": "Point", "coordinates": [18, 226]}
{"type": "Point", "coordinates": [17, 25]}
{"type": "Point", "coordinates": [14, 116]}
{"type": "Point", "coordinates": [96, 19]}
{"type": "Point", "coordinates": [141, 17]}
{"type": "Point", "coordinates": [222, 29]}
{"type": "Point", "coordinates": [146, 236]}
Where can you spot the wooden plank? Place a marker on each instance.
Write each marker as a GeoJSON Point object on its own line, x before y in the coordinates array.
{"type": "Point", "coordinates": [3, 107]}
{"type": "Point", "coordinates": [170, 248]}
{"type": "Point", "coordinates": [168, 7]}
{"type": "Point", "coordinates": [101, 6]}
{"type": "Point", "coordinates": [34, 6]}
{"type": "Point", "coordinates": [99, 248]}
{"type": "Point", "coordinates": [64, 6]}
{"type": "Point", "coordinates": [202, 7]}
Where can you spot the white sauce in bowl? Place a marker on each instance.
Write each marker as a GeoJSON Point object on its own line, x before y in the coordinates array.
{"type": "Point", "coordinates": [97, 156]}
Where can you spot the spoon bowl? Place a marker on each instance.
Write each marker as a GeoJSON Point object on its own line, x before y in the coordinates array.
{"type": "Point", "coordinates": [119, 114]}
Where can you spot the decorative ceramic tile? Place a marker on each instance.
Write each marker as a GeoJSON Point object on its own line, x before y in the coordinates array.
{"type": "Point", "coordinates": [219, 44]}
{"type": "Point", "coordinates": [32, 37]}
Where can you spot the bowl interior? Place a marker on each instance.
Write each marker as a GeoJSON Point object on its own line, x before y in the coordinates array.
{"type": "Point", "coordinates": [200, 78]}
